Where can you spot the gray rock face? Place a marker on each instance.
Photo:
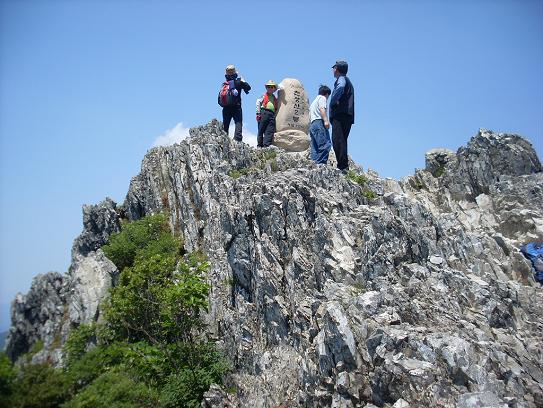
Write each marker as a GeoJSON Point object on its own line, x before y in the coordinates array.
{"type": "Point", "coordinates": [486, 159]}
{"type": "Point", "coordinates": [437, 159]}
{"type": "Point", "coordinates": [323, 297]}
{"type": "Point", "coordinates": [56, 303]}
{"type": "Point", "coordinates": [99, 222]}
{"type": "Point", "coordinates": [38, 315]}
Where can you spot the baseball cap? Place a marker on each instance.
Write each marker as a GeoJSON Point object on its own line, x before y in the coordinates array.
{"type": "Point", "coordinates": [341, 66]}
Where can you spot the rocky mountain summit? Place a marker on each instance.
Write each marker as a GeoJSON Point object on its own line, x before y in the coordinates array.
{"type": "Point", "coordinates": [336, 291]}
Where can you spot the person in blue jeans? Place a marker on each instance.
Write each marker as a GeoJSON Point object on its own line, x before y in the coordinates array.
{"type": "Point", "coordinates": [318, 130]}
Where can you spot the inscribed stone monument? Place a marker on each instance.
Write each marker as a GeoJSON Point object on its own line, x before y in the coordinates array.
{"type": "Point", "coordinates": [292, 120]}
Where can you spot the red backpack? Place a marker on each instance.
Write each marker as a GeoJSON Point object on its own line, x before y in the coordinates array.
{"type": "Point", "coordinates": [226, 95]}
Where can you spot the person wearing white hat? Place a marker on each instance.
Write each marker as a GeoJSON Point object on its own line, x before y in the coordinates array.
{"type": "Point", "coordinates": [266, 109]}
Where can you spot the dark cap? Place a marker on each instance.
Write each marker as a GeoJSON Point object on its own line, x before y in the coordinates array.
{"type": "Point", "coordinates": [341, 66]}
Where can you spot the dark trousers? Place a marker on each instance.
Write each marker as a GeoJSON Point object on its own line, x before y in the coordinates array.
{"type": "Point", "coordinates": [266, 128]}
{"type": "Point", "coordinates": [229, 113]}
{"type": "Point", "coordinates": [341, 127]}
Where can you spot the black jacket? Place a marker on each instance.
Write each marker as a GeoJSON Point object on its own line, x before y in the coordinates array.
{"type": "Point", "coordinates": [239, 85]}
{"type": "Point", "coordinates": [345, 104]}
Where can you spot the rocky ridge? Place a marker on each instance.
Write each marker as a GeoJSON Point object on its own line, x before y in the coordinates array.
{"type": "Point", "coordinates": [324, 295]}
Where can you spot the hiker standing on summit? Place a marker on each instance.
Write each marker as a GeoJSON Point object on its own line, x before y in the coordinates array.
{"type": "Point", "coordinates": [318, 129]}
{"type": "Point", "coordinates": [341, 113]}
{"type": "Point", "coordinates": [266, 109]}
{"type": "Point", "coordinates": [230, 100]}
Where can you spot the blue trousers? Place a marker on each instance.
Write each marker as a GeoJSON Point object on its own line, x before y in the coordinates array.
{"type": "Point", "coordinates": [320, 142]}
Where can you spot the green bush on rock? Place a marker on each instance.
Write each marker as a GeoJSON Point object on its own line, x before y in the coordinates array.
{"type": "Point", "coordinates": [149, 349]}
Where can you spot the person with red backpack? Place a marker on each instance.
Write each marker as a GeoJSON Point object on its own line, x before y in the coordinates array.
{"type": "Point", "coordinates": [266, 109]}
{"type": "Point", "coordinates": [230, 100]}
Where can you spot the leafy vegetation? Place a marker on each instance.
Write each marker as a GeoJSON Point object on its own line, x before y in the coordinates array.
{"type": "Point", "coordinates": [117, 389]}
{"type": "Point", "coordinates": [357, 178]}
{"type": "Point", "coordinates": [39, 385]}
{"type": "Point", "coordinates": [369, 194]}
{"type": "Point", "coordinates": [149, 350]}
{"type": "Point", "coordinates": [439, 171]}
{"type": "Point", "coordinates": [240, 172]}
{"type": "Point", "coordinates": [269, 154]}
{"type": "Point", "coordinates": [7, 377]}
{"type": "Point", "coordinates": [361, 180]}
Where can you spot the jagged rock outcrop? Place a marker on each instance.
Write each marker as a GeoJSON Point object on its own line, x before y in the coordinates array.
{"type": "Point", "coordinates": [326, 295]}
{"type": "Point", "coordinates": [56, 303]}
{"type": "Point", "coordinates": [37, 317]}
{"type": "Point", "coordinates": [99, 222]}
{"type": "Point", "coordinates": [91, 273]}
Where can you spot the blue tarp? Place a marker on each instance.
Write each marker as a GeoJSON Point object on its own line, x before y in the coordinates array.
{"type": "Point", "coordinates": [534, 252]}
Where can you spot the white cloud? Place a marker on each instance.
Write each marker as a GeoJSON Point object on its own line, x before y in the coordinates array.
{"type": "Point", "coordinates": [175, 135]}
{"type": "Point", "coordinates": [179, 132]}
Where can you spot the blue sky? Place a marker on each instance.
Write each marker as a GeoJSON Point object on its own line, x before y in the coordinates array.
{"type": "Point", "coordinates": [87, 87]}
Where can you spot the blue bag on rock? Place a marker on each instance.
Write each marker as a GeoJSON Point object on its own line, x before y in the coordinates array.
{"type": "Point", "coordinates": [534, 252]}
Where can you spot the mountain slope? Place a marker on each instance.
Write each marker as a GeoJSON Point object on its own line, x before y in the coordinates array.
{"type": "Point", "coordinates": [331, 292]}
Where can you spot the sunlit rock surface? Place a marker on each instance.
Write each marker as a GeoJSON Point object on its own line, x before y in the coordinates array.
{"type": "Point", "coordinates": [326, 292]}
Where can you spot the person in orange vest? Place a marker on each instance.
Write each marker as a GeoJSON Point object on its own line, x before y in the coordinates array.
{"type": "Point", "coordinates": [266, 109]}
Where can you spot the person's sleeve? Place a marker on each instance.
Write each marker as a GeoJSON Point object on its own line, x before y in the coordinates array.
{"type": "Point", "coordinates": [321, 105]}
{"type": "Point", "coordinates": [321, 102]}
{"type": "Point", "coordinates": [258, 103]}
{"type": "Point", "coordinates": [338, 91]}
{"type": "Point", "coordinates": [246, 87]}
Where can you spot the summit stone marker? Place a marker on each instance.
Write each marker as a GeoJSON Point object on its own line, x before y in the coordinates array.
{"type": "Point", "coordinates": [292, 119]}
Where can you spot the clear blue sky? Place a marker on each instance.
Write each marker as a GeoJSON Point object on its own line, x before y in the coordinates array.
{"type": "Point", "coordinates": [86, 87]}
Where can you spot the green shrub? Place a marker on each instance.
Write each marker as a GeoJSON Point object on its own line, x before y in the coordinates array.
{"type": "Point", "coordinates": [369, 194]}
{"type": "Point", "coordinates": [36, 347]}
{"type": "Point", "coordinates": [274, 166]}
{"type": "Point", "coordinates": [362, 181]}
{"type": "Point", "coordinates": [7, 377]}
{"type": "Point", "coordinates": [94, 362]}
{"type": "Point", "coordinates": [151, 232]}
{"type": "Point", "coordinates": [78, 341]}
{"type": "Point", "coordinates": [186, 387]}
{"type": "Point", "coordinates": [269, 154]}
{"type": "Point", "coordinates": [237, 173]}
{"type": "Point", "coordinates": [155, 311]}
{"type": "Point", "coordinates": [40, 385]}
{"type": "Point", "coordinates": [158, 300]}
{"type": "Point", "coordinates": [358, 179]}
{"type": "Point", "coordinates": [439, 171]}
{"type": "Point", "coordinates": [149, 342]}
{"type": "Point", "coordinates": [114, 389]}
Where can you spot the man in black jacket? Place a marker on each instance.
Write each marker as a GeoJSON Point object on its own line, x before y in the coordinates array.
{"type": "Point", "coordinates": [341, 113]}
{"type": "Point", "coordinates": [233, 109]}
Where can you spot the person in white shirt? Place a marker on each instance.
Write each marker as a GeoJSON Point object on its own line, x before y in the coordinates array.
{"type": "Point", "coordinates": [318, 130]}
